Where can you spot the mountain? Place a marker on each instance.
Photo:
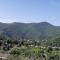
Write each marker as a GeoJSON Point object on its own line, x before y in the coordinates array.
{"type": "Point", "coordinates": [36, 31]}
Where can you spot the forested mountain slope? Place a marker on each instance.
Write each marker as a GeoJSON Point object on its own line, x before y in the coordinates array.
{"type": "Point", "coordinates": [36, 31]}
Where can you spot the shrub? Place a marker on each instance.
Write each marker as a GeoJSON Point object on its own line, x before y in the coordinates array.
{"type": "Point", "coordinates": [15, 51]}
{"type": "Point", "coordinates": [57, 49]}
{"type": "Point", "coordinates": [49, 49]}
{"type": "Point", "coordinates": [9, 41]}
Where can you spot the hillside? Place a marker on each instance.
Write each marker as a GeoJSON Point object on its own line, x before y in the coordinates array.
{"type": "Point", "coordinates": [37, 31]}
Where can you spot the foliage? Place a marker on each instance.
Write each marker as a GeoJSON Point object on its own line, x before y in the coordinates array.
{"type": "Point", "coordinates": [34, 31]}
{"type": "Point", "coordinates": [15, 51]}
{"type": "Point", "coordinates": [49, 49]}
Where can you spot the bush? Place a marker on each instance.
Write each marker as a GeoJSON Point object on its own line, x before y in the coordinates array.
{"type": "Point", "coordinates": [57, 49]}
{"type": "Point", "coordinates": [49, 49]}
{"type": "Point", "coordinates": [15, 51]}
{"type": "Point", "coordinates": [9, 41]}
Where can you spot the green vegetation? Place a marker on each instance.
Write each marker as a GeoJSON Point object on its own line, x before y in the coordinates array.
{"type": "Point", "coordinates": [35, 53]}
{"type": "Point", "coordinates": [32, 31]}
{"type": "Point", "coordinates": [33, 41]}
{"type": "Point", "coordinates": [31, 49]}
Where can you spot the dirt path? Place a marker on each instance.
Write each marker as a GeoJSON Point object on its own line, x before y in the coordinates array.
{"type": "Point", "coordinates": [4, 56]}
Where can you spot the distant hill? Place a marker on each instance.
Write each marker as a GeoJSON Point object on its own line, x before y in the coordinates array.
{"type": "Point", "coordinates": [36, 31]}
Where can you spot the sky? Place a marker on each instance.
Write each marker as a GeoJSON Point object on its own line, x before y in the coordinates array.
{"type": "Point", "coordinates": [30, 11]}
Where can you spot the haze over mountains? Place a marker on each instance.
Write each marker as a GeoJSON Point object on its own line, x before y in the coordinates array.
{"type": "Point", "coordinates": [34, 31]}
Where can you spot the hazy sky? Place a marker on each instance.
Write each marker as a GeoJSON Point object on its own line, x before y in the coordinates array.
{"type": "Point", "coordinates": [30, 11]}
